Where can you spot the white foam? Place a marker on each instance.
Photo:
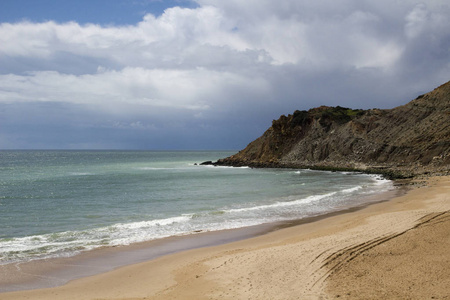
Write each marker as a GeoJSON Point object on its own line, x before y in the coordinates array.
{"type": "Point", "coordinates": [351, 190]}
{"type": "Point", "coordinates": [81, 174]}
{"type": "Point", "coordinates": [283, 204]}
{"type": "Point", "coordinates": [160, 222]}
{"type": "Point", "coordinates": [71, 242]}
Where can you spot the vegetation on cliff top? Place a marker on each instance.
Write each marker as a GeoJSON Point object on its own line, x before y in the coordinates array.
{"type": "Point", "coordinates": [405, 141]}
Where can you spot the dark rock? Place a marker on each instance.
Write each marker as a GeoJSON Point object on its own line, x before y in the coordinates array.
{"type": "Point", "coordinates": [405, 141]}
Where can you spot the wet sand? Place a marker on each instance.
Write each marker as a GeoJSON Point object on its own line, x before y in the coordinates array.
{"type": "Point", "coordinates": [377, 252]}
{"type": "Point", "coordinates": [54, 272]}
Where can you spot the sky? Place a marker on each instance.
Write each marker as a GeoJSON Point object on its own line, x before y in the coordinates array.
{"type": "Point", "coordinates": [205, 74]}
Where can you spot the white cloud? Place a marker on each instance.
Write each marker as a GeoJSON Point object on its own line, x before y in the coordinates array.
{"type": "Point", "coordinates": [231, 60]}
{"type": "Point", "coordinates": [111, 90]}
{"type": "Point", "coordinates": [352, 33]}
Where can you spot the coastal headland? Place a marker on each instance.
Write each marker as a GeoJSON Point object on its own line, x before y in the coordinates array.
{"type": "Point", "coordinates": [402, 142]}
{"type": "Point", "coordinates": [395, 249]}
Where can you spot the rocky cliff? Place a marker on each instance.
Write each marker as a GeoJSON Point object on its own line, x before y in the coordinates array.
{"type": "Point", "coordinates": [405, 141]}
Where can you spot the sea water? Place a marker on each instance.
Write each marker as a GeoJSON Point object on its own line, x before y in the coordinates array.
{"type": "Point", "coordinates": [59, 203]}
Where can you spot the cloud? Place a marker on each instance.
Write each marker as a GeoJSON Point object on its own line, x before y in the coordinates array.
{"type": "Point", "coordinates": [224, 67]}
{"type": "Point", "coordinates": [192, 90]}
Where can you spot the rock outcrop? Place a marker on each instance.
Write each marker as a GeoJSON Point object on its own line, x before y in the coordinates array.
{"type": "Point", "coordinates": [405, 141]}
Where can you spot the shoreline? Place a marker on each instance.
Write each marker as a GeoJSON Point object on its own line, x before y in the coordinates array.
{"type": "Point", "coordinates": [282, 264]}
{"type": "Point", "coordinates": [58, 271]}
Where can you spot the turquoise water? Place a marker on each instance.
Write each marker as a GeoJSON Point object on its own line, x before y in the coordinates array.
{"type": "Point", "coordinates": [58, 203]}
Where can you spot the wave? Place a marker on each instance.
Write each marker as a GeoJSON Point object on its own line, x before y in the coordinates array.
{"type": "Point", "coordinates": [152, 223]}
{"type": "Point", "coordinates": [283, 204]}
{"type": "Point", "coordinates": [351, 190]}
{"type": "Point", "coordinates": [81, 174]}
{"type": "Point", "coordinates": [69, 243]}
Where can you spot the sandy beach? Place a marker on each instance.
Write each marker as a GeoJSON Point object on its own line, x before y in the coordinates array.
{"type": "Point", "coordinates": [391, 250]}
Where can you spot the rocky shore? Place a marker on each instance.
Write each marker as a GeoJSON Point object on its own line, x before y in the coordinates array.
{"type": "Point", "coordinates": [407, 141]}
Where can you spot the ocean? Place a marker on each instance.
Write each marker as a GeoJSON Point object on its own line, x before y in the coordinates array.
{"type": "Point", "coordinates": [61, 203]}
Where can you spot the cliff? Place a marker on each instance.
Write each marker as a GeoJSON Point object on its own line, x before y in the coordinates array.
{"type": "Point", "coordinates": [405, 141]}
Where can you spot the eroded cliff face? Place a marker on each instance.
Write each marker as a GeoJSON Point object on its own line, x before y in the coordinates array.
{"type": "Point", "coordinates": [407, 140]}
